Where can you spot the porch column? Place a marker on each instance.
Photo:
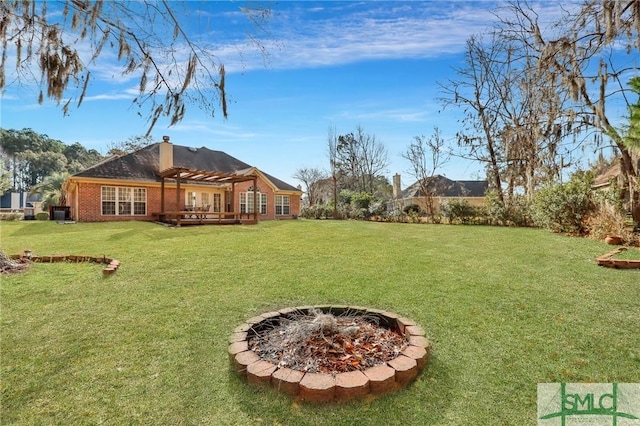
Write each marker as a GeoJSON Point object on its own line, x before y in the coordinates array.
{"type": "Point", "coordinates": [178, 198]}
{"type": "Point", "coordinates": [255, 199]}
{"type": "Point", "coordinates": [162, 195]}
{"type": "Point", "coordinates": [232, 201]}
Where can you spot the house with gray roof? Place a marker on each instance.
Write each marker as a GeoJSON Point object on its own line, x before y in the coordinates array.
{"type": "Point", "coordinates": [170, 182]}
{"type": "Point", "coordinates": [443, 190]}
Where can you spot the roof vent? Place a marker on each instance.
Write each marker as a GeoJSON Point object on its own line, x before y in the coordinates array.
{"type": "Point", "coordinates": [193, 149]}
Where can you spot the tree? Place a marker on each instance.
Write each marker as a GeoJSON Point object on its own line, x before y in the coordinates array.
{"type": "Point", "coordinates": [426, 156]}
{"type": "Point", "coordinates": [334, 165]}
{"type": "Point", "coordinates": [80, 158]}
{"type": "Point", "coordinates": [29, 157]}
{"type": "Point", "coordinates": [361, 158]}
{"type": "Point", "coordinates": [148, 38]}
{"type": "Point", "coordinates": [584, 53]}
{"type": "Point", "coordinates": [513, 116]}
{"type": "Point", "coordinates": [52, 190]}
{"type": "Point", "coordinates": [476, 92]}
{"type": "Point", "coordinates": [632, 130]}
{"type": "Point", "coordinates": [5, 182]}
{"type": "Point", "coordinates": [133, 143]}
{"type": "Point", "coordinates": [310, 177]}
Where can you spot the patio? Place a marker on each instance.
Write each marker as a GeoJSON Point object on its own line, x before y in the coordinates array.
{"type": "Point", "coordinates": [199, 214]}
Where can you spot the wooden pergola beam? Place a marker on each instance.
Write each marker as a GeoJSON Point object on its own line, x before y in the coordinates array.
{"type": "Point", "coordinates": [204, 176]}
{"type": "Point", "coordinates": [180, 175]}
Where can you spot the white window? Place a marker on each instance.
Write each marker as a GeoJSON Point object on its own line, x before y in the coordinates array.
{"type": "Point", "coordinates": [217, 203]}
{"type": "Point", "coordinates": [282, 205]}
{"type": "Point", "coordinates": [246, 202]}
{"type": "Point", "coordinates": [124, 201]}
{"type": "Point", "coordinates": [139, 201]}
{"type": "Point", "coordinates": [189, 199]}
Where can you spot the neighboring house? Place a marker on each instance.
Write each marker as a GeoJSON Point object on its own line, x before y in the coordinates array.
{"type": "Point", "coordinates": [613, 177]}
{"type": "Point", "coordinates": [612, 174]}
{"type": "Point", "coordinates": [24, 202]}
{"type": "Point", "coordinates": [473, 191]}
{"type": "Point", "coordinates": [163, 177]}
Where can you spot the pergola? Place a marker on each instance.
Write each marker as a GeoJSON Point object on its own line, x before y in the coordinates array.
{"type": "Point", "coordinates": [179, 175]}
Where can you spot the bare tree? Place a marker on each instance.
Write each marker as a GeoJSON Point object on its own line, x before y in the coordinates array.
{"type": "Point", "coordinates": [476, 92]}
{"type": "Point", "coordinates": [310, 177]}
{"type": "Point", "coordinates": [361, 158]}
{"type": "Point", "coordinates": [133, 143]}
{"type": "Point", "coordinates": [426, 156]}
{"type": "Point", "coordinates": [584, 53]}
{"type": "Point", "coordinates": [147, 37]}
{"type": "Point", "coordinates": [332, 150]}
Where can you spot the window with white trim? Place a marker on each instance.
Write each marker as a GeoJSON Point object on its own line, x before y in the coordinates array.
{"type": "Point", "coordinates": [246, 202]}
{"type": "Point", "coordinates": [204, 199]}
{"type": "Point", "coordinates": [123, 201]}
{"type": "Point", "coordinates": [282, 205]}
{"type": "Point", "coordinates": [217, 202]}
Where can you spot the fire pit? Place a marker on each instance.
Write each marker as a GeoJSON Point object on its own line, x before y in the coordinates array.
{"type": "Point", "coordinates": [329, 353]}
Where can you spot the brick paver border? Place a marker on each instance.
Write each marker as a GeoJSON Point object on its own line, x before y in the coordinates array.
{"type": "Point", "coordinates": [111, 267]}
{"type": "Point", "coordinates": [316, 387]}
{"type": "Point", "coordinates": [609, 261]}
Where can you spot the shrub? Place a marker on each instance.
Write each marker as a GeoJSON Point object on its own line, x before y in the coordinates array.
{"type": "Point", "coordinates": [411, 208]}
{"type": "Point", "coordinates": [361, 200]}
{"type": "Point", "coordinates": [515, 212]}
{"type": "Point", "coordinates": [11, 216]}
{"type": "Point", "coordinates": [458, 211]}
{"type": "Point", "coordinates": [317, 211]}
{"type": "Point", "coordinates": [42, 216]}
{"type": "Point", "coordinates": [564, 207]}
{"type": "Point", "coordinates": [608, 220]}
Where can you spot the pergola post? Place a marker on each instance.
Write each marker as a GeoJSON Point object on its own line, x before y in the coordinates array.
{"type": "Point", "coordinates": [162, 210]}
{"type": "Point", "coordinates": [255, 199]}
{"type": "Point", "coordinates": [178, 199]}
{"type": "Point", "coordinates": [228, 181]}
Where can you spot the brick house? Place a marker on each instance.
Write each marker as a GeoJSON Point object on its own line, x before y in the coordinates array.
{"type": "Point", "coordinates": [163, 180]}
{"type": "Point", "coordinates": [472, 191]}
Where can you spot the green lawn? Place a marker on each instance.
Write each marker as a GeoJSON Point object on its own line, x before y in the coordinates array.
{"type": "Point", "coordinates": [505, 308]}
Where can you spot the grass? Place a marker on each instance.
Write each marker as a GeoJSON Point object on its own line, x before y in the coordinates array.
{"type": "Point", "coordinates": [505, 308]}
{"type": "Point", "coordinates": [631, 253]}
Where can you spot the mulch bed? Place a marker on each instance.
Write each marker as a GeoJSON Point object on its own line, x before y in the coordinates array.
{"type": "Point", "coordinates": [323, 343]}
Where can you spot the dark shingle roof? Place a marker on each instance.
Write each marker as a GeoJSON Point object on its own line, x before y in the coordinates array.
{"type": "Point", "coordinates": [450, 188]}
{"type": "Point", "coordinates": [142, 165]}
{"type": "Point", "coordinates": [281, 185]}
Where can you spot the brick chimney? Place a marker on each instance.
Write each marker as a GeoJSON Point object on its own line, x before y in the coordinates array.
{"type": "Point", "coordinates": [166, 154]}
{"type": "Point", "coordinates": [396, 186]}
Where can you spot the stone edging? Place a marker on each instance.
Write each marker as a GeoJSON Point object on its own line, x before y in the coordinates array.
{"type": "Point", "coordinates": [608, 261]}
{"type": "Point", "coordinates": [110, 269]}
{"type": "Point", "coordinates": [317, 387]}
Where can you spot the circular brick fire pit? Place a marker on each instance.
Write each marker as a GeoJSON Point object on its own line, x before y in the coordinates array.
{"type": "Point", "coordinates": [326, 387]}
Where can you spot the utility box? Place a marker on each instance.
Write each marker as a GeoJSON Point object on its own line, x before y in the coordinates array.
{"type": "Point", "coordinates": [59, 213]}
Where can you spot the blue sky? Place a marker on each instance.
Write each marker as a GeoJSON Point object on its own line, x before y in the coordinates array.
{"type": "Point", "coordinates": [343, 64]}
